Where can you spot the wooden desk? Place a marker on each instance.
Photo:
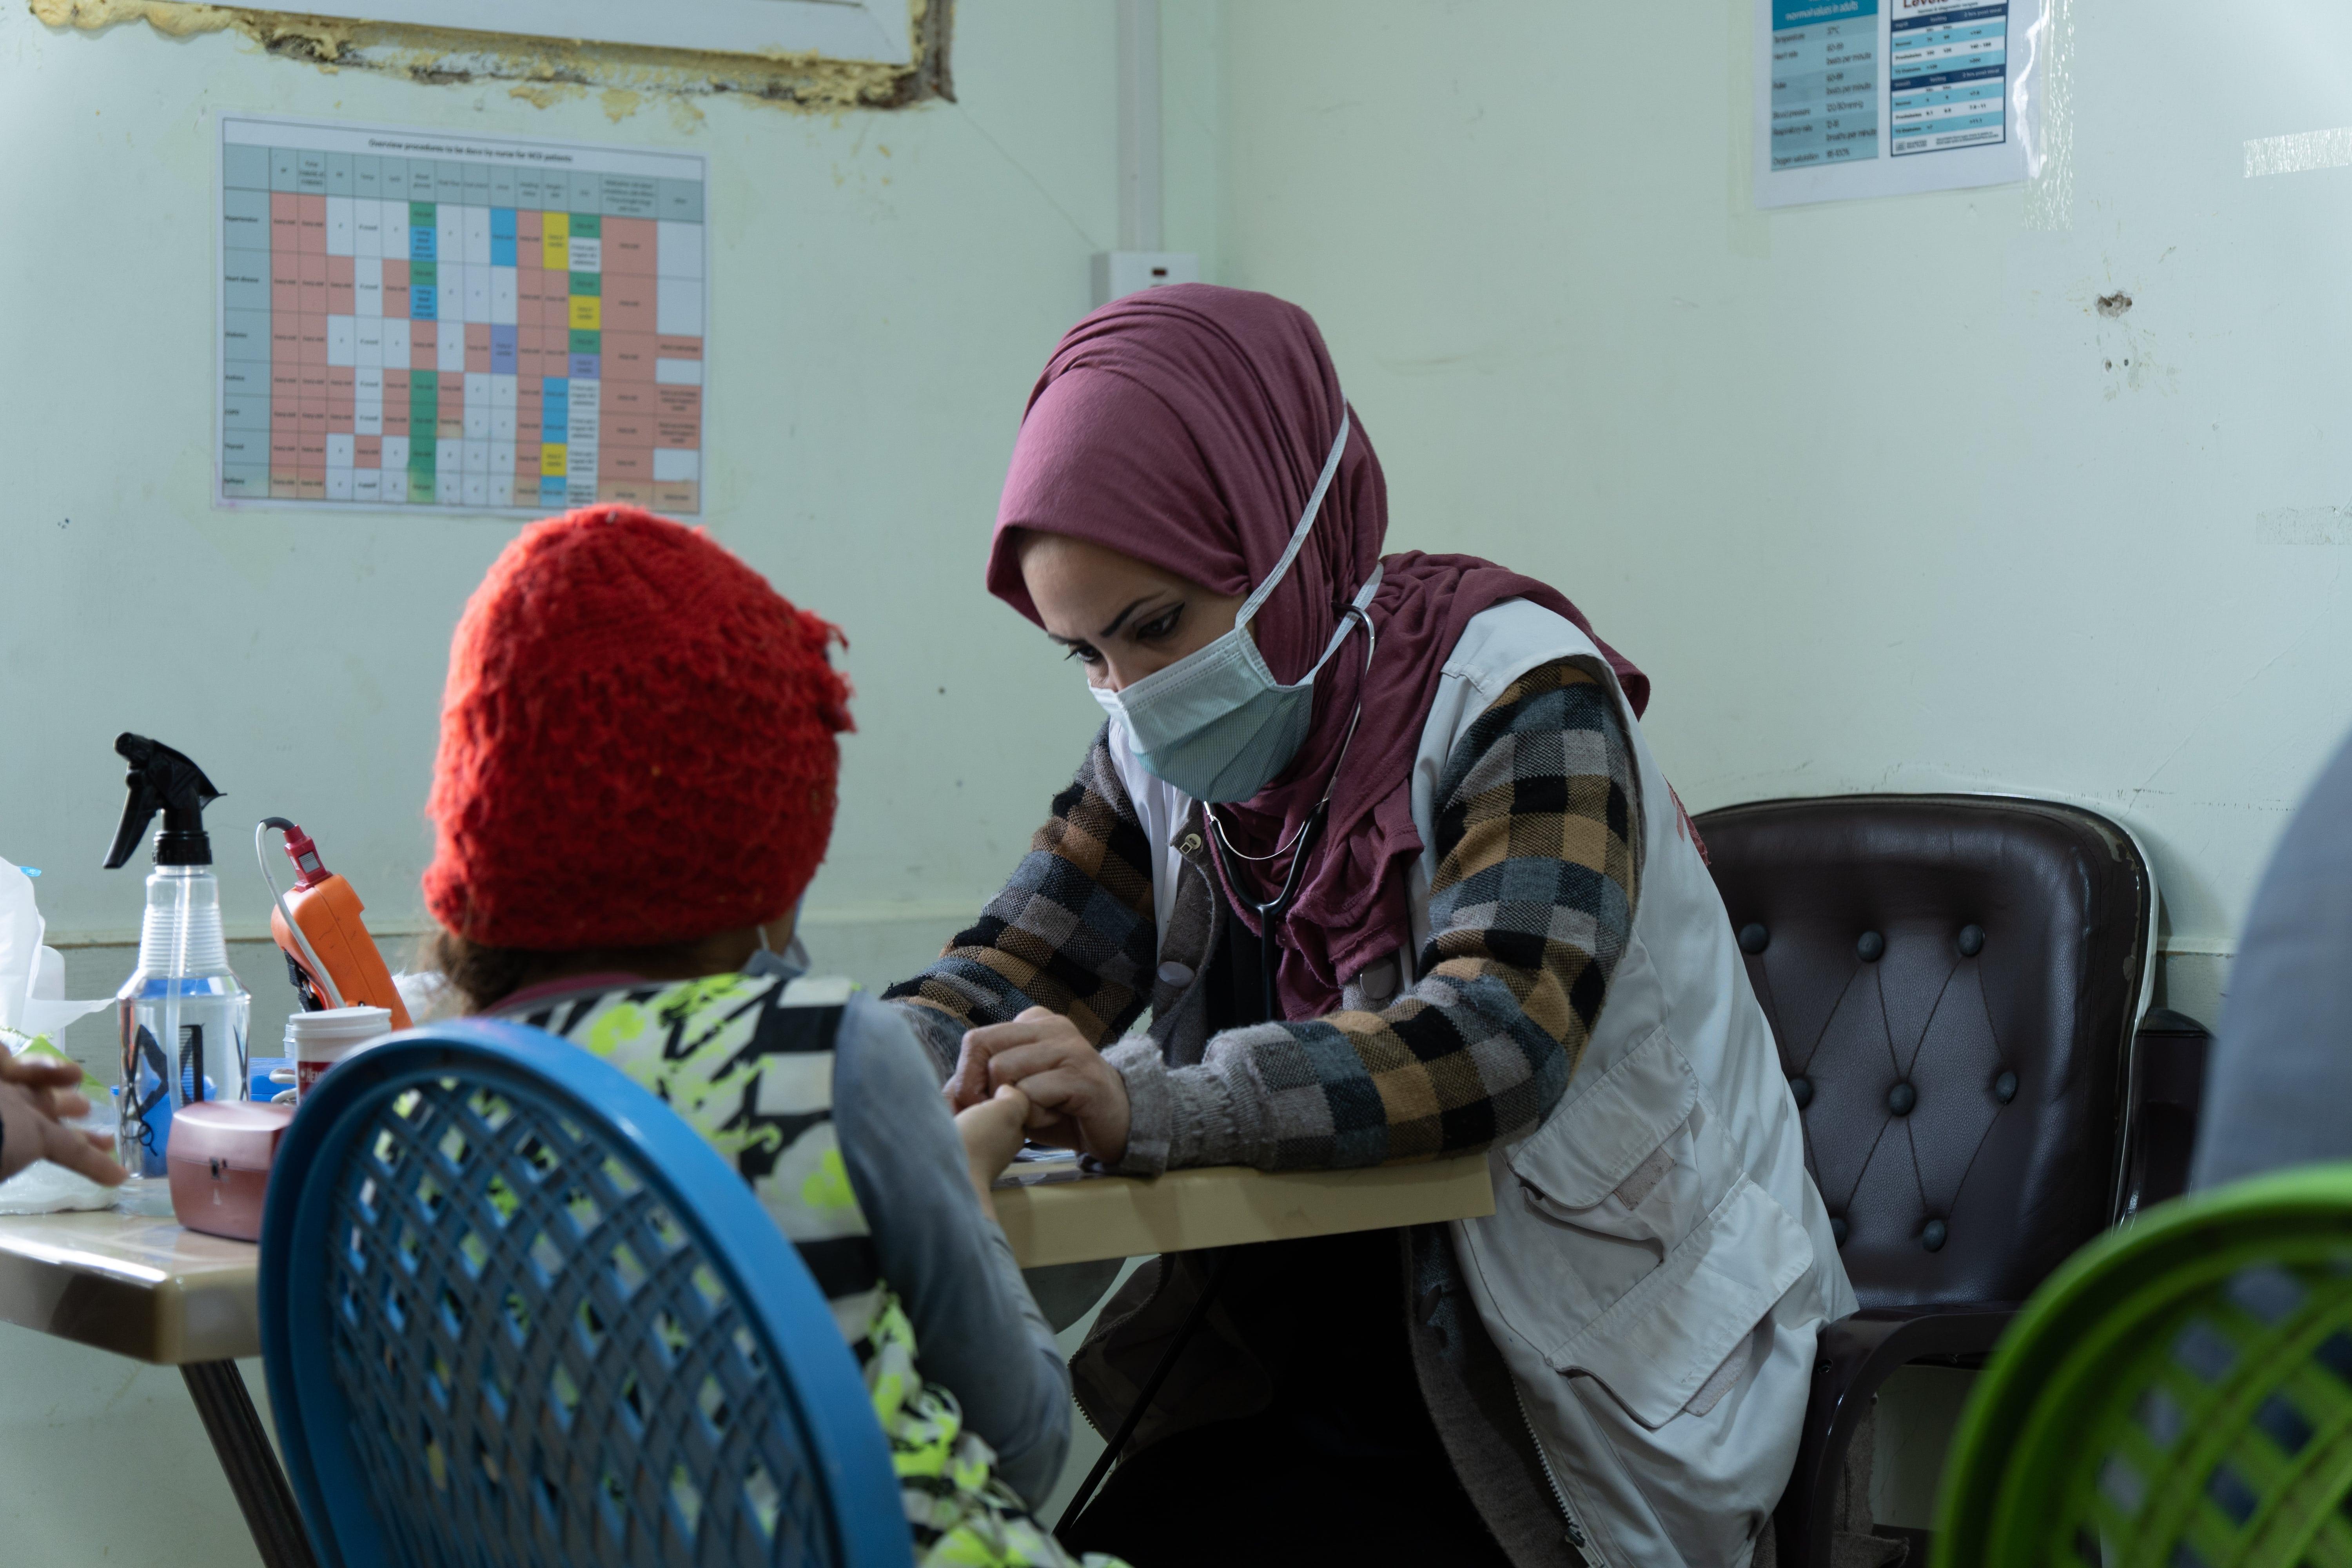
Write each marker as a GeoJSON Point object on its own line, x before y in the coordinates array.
{"type": "Point", "coordinates": [1053, 1213]}
{"type": "Point", "coordinates": [145, 1288]}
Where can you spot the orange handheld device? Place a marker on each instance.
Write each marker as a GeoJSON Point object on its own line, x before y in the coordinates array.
{"type": "Point", "coordinates": [330, 956]}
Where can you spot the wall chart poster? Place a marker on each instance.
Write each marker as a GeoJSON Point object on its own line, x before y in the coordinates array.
{"type": "Point", "coordinates": [424, 319]}
{"type": "Point", "coordinates": [1870, 98]}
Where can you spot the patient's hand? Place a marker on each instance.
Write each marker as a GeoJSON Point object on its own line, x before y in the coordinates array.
{"type": "Point", "coordinates": [991, 1134]}
{"type": "Point", "coordinates": [1080, 1099]}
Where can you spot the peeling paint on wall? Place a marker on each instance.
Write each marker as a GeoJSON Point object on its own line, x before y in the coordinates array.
{"type": "Point", "coordinates": [546, 70]}
{"type": "Point", "coordinates": [2305, 525]}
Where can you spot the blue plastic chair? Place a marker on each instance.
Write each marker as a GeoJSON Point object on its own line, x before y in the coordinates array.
{"type": "Point", "coordinates": [515, 1311]}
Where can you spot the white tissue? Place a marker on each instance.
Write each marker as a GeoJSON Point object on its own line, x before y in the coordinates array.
{"type": "Point", "coordinates": [32, 977]}
{"type": "Point", "coordinates": [44, 1187]}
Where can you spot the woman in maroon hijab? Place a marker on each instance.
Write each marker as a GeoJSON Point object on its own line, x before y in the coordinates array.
{"type": "Point", "coordinates": [1377, 843]}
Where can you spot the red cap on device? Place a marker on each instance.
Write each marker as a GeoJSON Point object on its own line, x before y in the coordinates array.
{"type": "Point", "coordinates": [303, 850]}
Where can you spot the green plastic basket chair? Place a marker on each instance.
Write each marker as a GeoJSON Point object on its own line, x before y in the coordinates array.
{"type": "Point", "coordinates": [2177, 1396]}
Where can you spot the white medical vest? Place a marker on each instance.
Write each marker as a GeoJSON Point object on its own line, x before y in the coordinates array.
{"type": "Point", "coordinates": [1658, 1266]}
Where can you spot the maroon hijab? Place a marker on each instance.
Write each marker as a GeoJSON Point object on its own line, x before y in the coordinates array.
{"type": "Point", "coordinates": [1185, 426]}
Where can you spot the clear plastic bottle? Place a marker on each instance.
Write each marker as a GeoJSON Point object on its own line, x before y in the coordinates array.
{"type": "Point", "coordinates": [182, 1014]}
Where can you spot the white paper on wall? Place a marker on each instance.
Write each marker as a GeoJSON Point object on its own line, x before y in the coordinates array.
{"type": "Point", "coordinates": [1875, 98]}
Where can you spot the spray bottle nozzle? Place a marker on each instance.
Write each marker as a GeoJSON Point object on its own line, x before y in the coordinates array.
{"type": "Point", "coordinates": [160, 779]}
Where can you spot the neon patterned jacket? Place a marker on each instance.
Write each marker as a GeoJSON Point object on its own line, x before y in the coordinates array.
{"type": "Point", "coordinates": [747, 1061]}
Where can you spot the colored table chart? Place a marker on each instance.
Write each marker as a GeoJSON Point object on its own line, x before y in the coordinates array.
{"type": "Point", "coordinates": [408, 318]}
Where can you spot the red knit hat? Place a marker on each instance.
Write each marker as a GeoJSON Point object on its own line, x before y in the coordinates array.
{"type": "Point", "coordinates": [636, 743]}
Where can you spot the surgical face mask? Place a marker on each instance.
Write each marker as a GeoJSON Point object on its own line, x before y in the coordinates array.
{"type": "Point", "coordinates": [1215, 723]}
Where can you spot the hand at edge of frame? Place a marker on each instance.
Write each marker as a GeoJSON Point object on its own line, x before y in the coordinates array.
{"type": "Point", "coordinates": [30, 1128]}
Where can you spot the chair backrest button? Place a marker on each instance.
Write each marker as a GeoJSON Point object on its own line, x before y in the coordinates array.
{"type": "Point", "coordinates": [1801, 1088]}
{"type": "Point", "coordinates": [1870, 947]}
{"type": "Point", "coordinates": [1931, 1236]}
{"type": "Point", "coordinates": [1972, 940]}
{"type": "Point", "coordinates": [1754, 939]}
{"type": "Point", "coordinates": [2004, 1088]}
{"type": "Point", "coordinates": [1838, 1228]}
{"type": "Point", "coordinates": [1901, 1098]}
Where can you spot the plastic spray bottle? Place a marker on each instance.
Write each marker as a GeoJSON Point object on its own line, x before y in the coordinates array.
{"type": "Point", "coordinates": [183, 1012]}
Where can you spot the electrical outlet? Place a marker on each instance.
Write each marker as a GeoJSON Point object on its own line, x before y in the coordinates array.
{"type": "Point", "coordinates": [1119, 273]}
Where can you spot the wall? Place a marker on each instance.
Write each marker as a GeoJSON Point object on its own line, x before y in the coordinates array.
{"type": "Point", "coordinates": [1874, 491]}
{"type": "Point", "coordinates": [886, 286]}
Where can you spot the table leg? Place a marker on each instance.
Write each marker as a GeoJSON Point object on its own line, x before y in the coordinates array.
{"type": "Point", "coordinates": [238, 1437]}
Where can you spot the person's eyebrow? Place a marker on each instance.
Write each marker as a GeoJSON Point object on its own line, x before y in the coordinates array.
{"type": "Point", "coordinates": [1120, 619]}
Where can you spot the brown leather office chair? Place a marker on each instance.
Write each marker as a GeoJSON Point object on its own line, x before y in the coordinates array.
{"type": "Point", "coordinates": [1955, 981]}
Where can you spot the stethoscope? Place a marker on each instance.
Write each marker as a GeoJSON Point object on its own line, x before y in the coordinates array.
{"type": "Point", "coordinates": [1274, 912]}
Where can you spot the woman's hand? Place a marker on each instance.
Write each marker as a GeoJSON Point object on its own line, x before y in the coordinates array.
{"type": "Point", "coordinates": [35, 1098]}
{"type": "Point", "coordinates": [1078, 1100]}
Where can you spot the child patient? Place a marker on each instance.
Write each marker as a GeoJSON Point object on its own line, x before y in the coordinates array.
{"type": "Point", "coordinates": [635, 784]}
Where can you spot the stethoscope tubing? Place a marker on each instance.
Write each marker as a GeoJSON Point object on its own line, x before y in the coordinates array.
{"type": "Point", "coordinates": [1277, 910]}
{"type": "Point", "coordinates": [1272, 913]}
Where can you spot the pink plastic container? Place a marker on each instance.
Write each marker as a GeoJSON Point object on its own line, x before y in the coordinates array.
{"type": "Point", "coordinates": [220, 1154]}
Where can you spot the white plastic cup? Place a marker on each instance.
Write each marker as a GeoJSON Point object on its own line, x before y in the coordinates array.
{"type": "Point", "coordinates": [316, 1041]}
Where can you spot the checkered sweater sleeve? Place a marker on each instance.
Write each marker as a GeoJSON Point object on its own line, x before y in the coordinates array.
{"type": "Point", "coordinates": [1072, 930]}
{"type": "Point", "coordinates": [1538, 830]}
